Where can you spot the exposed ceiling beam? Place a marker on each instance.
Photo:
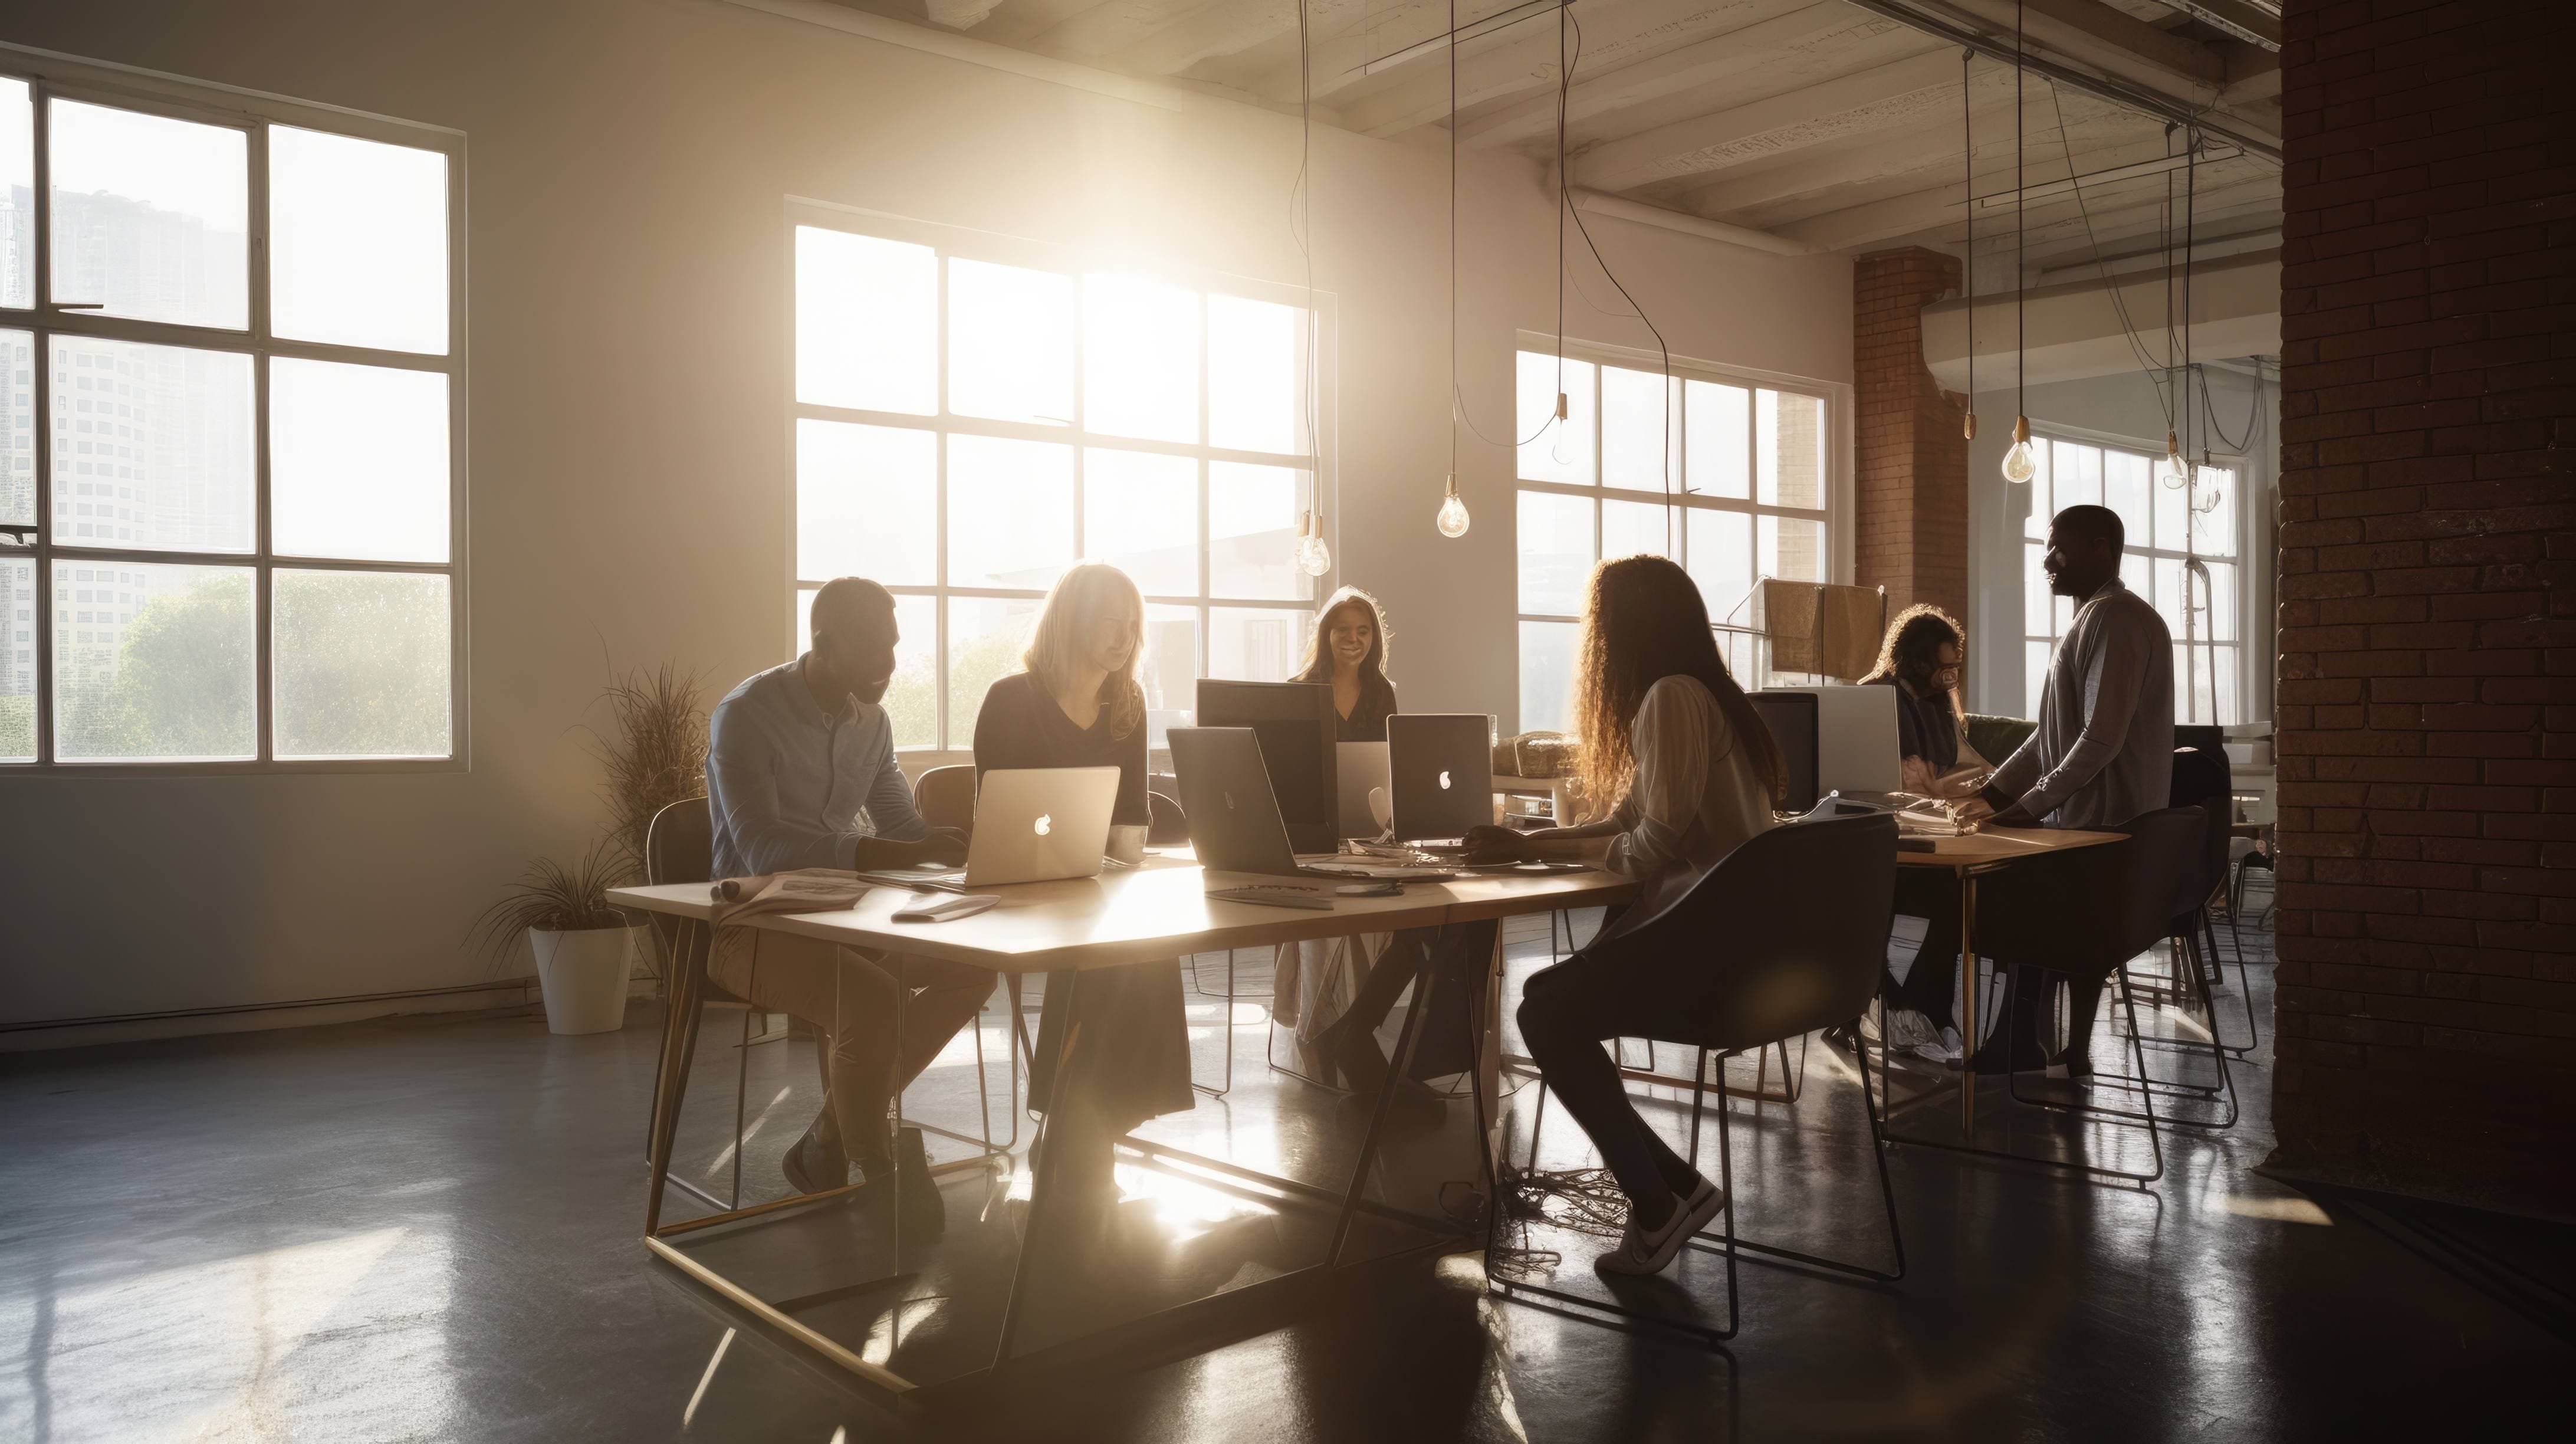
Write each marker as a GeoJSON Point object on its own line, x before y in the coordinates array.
{"type": "Point", "coordinates": [1868, 160]}
{"type": "Point", "coordinates": [2248, 23]}
{"type": "Point", "coordinates": [1940, 207]}
{"type": "Point", "coordinates": [1879, 98]}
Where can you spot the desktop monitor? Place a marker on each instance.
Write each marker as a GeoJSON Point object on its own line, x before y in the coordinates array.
{"type": "Point", "coordinates": [1791, 716]}
{"type": "Point", "coordinates": [1856, 746]}
{"type": "Point", "coordinates": [1295, 724]}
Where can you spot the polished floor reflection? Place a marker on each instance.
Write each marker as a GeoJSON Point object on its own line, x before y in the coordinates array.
{"type": "Point", "coordinates": [427, 1230]}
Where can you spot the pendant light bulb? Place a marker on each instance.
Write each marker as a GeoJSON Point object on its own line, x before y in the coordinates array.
{"type": "Point", "coordinates": [2173, 473]}
{"type": "Point", "coordinates": [1452, 517]}
{"type": "Point", "coordinates": [2205, 500]}
{"type": "Point", "coordinates": [2020, 463]}
{"type": "Point", "coordinates": [1314, 558]}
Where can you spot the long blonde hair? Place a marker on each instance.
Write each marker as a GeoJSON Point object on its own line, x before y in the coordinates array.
{"type": "Point", "coordinates": [1061, 643]}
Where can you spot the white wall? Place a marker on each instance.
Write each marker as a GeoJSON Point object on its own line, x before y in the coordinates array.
{"type": "Point", "coordinates": [2113, 408]}
{"type": "Point", "coordinates": [626, 164]}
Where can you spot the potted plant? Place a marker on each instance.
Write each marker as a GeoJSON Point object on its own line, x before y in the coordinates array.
{"type": "Point", "coordinates": [653, 754]}
{"type": "Point", "coordinates": [585, 948]}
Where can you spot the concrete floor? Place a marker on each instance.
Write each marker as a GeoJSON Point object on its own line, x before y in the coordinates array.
{"type": "Point", "coordinates": [426, 1229]}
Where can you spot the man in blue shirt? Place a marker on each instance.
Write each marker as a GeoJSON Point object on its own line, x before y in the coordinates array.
{"type": "Point", "coordinates": [801, 774]}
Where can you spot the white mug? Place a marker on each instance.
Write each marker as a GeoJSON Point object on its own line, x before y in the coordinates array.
{"type": "Point", "coordinates": [1381, 810]}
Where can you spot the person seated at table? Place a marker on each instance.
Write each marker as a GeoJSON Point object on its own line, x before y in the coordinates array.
{"type": "Point", "coordinates": [801, 774]}
{"type": "Point", "coordinates": [2102, 755]}
{"type": "Point", "coordinates": [1665, 729]}
{"type": "Point", "coordinates": [1077, 704]}
{"type": "Point", "coordinates": [1920, 659]}
{"type": "Point", "coordinates": [1348, 649]}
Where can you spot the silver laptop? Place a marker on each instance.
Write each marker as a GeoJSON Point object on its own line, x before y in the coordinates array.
{"type": "Point", "coordinates": [1234, 818]}
{"type": "Point", "coordinates": [1032, 824]}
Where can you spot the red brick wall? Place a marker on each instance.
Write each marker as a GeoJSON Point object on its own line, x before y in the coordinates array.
{"type": "Point", "coordinates": [1910, 531]}
{"type": "Point", "coordinates": [2427, 1005]}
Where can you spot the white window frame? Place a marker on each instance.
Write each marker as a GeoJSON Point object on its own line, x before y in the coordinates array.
{"type": "Point", "coordinates": [1075, 261]}
{"type": "Point", "coordinates": [50, 77]}
{"type": "Point", "coordinates": [1835, 479]}
{"type": "Point", "coordinates": [2238, 652]}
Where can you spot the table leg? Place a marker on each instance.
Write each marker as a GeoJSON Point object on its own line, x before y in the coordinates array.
{"type": "Point", "coordinates": [1044, 1171]}
{"type": "Point", "coordinates": [1974, 1011]}
{"type": "Point", "coordinates": [680, 1046]}
{"type": "Point", "coordinates": [1416, 1019]}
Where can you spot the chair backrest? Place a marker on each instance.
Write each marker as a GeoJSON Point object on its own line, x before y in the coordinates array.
{"type": "Point", "coordinates": [1170, 826]}
{"type": "Point", "coordinates": [945, 797]}
{"type": "Point", "coordinates": [679, 845]}
{"type": "Point", "coordinates": [2105, 905]}
{"type": "Point", "coordinates": [1793, 927]}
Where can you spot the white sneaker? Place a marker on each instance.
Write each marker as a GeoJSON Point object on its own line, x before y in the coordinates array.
{"type": "Point", "coordinates": [1650, 1253]}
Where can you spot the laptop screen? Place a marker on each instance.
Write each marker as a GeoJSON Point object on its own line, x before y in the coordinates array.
{"type": "Point", "coordinates": [1294, 722]}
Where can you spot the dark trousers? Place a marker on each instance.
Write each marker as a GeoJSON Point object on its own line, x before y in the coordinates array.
{"type": "Point", "coordinates": [1602, 993]}
{"type": "Point", "coordinates": [1930, 985]}
{"type": "Point", "coordinates": [1459, 957]}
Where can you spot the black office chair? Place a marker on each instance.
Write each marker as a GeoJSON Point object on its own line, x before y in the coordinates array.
{"type": "Point", "coordinates": [2102, 906]}
{"type": "Point", "coordinates": [2203, 775]}
{"type": "Point", "coordinates": [1795, 921]}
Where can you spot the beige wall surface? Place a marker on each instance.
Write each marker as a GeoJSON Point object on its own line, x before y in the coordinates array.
{"type": "Point", "coordinates": [627, 165]}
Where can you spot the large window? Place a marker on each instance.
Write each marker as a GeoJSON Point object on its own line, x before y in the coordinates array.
{"type": "Point", "coordinates": [229, 494]}
{"type": "Point", "coordinates": [2162, 533]}
{"type": "Point", "coordinates": [1730, 477]}
{"type": "Point", "coordinates": [973, 415]}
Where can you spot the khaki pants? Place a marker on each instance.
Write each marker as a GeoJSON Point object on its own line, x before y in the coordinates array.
{"type": "Point", "coordinates": [850, 997]}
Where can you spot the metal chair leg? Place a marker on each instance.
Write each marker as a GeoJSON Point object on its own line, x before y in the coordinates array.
{"type": "Point", "coordinates": [1229, 1023]}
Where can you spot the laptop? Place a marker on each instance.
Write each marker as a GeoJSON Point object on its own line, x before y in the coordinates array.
{"type": "Point", "coordinates": [1442, 774]}
{"type": "Point", "coordinates": [1295, 722]}
{"type": "Point", "coordinates": [1856, 748]}
{"type": "Point", "coordinates": [1032, 824]}
{"type": "Point", "coordinates": [1234, 819]}
{"type": "Point", "coordinates": [1791, 716]}
{"type": "Point", "coordinates": [1359, 767]}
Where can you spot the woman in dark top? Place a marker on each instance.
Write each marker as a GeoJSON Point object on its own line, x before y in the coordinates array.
{"type": "Point", "coordinates": [1349, 651]}
{"type": "Point", "coordinates": [1078, 705]}
{"type": "Point", "coordinates": [1920, 659]}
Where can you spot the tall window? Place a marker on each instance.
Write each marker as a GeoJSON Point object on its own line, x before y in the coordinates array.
{"type": "Point", "coordinates": [2157, 522]}
{"type": "Point", "coordinates": [228, 499]}
{"type": "Point", "coordinates": [1726, 476]}
{"type": "Point", "coordinates": [972, 416]}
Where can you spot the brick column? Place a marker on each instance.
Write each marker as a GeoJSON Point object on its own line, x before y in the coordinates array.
{"type": "Point", "coordinates": [2427, 1003]}
{"type": "Point", "coordinates": [1910, 491]}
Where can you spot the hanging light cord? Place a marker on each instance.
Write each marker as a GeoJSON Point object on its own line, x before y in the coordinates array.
{"type": "Point", "coordinates": [1564, 203]}
{"type": "Point", "coordinates": [1455, 400]}
{"type": "Point", "coordinates": [1301, 225]}
{"type": "Point", "coordinates": [2119, 306]}
{"type": "Point", "coordinates": [1968, 187]}
{"type": "Point", "coordinates": [2021, 277]}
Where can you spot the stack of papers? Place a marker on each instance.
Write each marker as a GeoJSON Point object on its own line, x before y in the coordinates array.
{"type": "Point", "coordinates": [1915, 816]}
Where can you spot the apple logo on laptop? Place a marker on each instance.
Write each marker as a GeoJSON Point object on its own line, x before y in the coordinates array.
{"type": "Point", "coordinates": [1444, 781]}
{"type": "Point", "coordinates": [1045, 824]}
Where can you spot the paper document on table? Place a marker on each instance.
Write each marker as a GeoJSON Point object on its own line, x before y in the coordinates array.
{"type": "Point", "coordinates": [812, 890]}
{"type": "Point", "coordinates": [1915, 816]}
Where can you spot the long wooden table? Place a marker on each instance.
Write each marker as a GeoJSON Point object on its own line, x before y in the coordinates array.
{"type": "Point", "coordinates": [1969, 858]}
{"type": "Point", "coordinates": [1150, 914]}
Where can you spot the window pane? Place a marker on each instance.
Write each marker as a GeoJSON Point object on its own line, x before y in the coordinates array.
{"type": "Point", "coordinates": [1256, 645]}
{"type": "Point", "coordinates": [1557, 451]}
{"type": "Point", "coordinates": [2135, 574]}
{"type": "Point", "coordinates": [1010, 342]}
{"type": "Point", "coordinates": [1721, 558]}
{"type": "Point", "coordinates": [2125, 486]}
{"type": "Point", "coordinates": [1140, 358]}
{"type": "Point", "coordinates": [912, 698]}
{"type": "Point", "coordinates": [867, 322]}
{"type": "Point", "coordinates": [1547, 675]}
{"type": "Point", "coordinates": [1630, 527]}
{"type": "Point", "coordinates": [1169, 669]}
{"type": "Point", "coordinates": [2034, 591]}
{"type": "Point", "coordinates": [986, 636]}
{"type": "Point", "coordinates": [153, 661]}
{"type": "Point", "coordinates": [866, 503]}
{"type": "Point", "coordinates": [357, 461]}
{"type": "Point", "coordinates": [2034, 677]}
{"type": "Point", "coordinates": [1140, 514]}
{"type": "Point", "coordinates": [17, 427]}
{"type": "Point", "coordinates": [1639, 428]}
{"type": "Point", "coordinates": [2035, 525]}
{"type": "Point", "coordinates": [1255, 375]}
{"type": "Point", "coordinates": [17, 194]}
{"type": "Point", "coordinates": [357, 241]}
{"type": "Point", "coordinates": [362, 664]}
{"type": "Point", "coordinates": [1010, 512]}
{"type": "Point", "coordinates": [2075, 475]}
{"type": "Point", "coordinates": [2214, 530]}
{"type": "Point", "coordinates": [2173, 512]}
{"type": "Point", "coordinates": [2168, 595]}
{"type": "Point", "coordinates": [1790, 448]}
{"type": "Point", "coordinates": [1252, 529]}
{"type": "Point", "coordinates": [1719, 420]}
{"type": "Point", "coordinates": [17, 661]}
{"type": "Point", "coordinates": [151, 215]}
{"type": "Point", "coordinates": [152, 446]}
{"type": "Point", "coordinates": [1792, 549]}
{"type": "Point", "coordinates": [2193, 700]}
{"type": "Point", "coordinates": [1555, 552]}
{"type": "Point", "coordinates": [2223, 604]}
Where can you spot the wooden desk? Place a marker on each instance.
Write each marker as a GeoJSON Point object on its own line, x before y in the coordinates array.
{"type": "Point", "coordinates": [1148, 915]}
{"type": "Point", "coordinates": [1970, 858]}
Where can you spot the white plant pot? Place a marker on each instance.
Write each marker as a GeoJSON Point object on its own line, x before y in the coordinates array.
{"type": "Point", "coordinates": [584, 976]}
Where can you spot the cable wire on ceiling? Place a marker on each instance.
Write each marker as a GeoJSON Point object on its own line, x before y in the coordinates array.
{"type": "Point", "coordinates": [2119, 305]}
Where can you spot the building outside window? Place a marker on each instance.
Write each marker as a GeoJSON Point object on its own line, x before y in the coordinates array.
{"type": "Point", "coordinates": [973, 414]}
{"type": "Point", "coordinates": [1728, 475]}
{"type": "Point", "coordinates": [228, 424]}
{"type": "Point", "coordinates": [2162, 533]}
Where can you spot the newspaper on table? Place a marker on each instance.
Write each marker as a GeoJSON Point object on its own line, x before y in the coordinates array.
{"type": "Point", "coordinates": [1916, 816]}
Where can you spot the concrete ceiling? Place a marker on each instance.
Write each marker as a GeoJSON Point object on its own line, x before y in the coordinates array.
{"type": "Point", "coordinates": [1832, 123]}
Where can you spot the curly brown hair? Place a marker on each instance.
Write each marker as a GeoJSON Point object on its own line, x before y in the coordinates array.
{"type": "Point", "coordinates": [1643, 621]}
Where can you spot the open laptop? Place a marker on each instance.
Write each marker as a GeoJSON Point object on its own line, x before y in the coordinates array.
{"type": "Point", "coordinates": [1791, 716]}
{"type": "Point", "coordinates": [1441, 772]}
{"type": "Point", "coordinates": [1856, 748]}
{"type": "Point", "coordinates": [1234, 820]}
{"type": "Point", "coordinates": [1032, 824]}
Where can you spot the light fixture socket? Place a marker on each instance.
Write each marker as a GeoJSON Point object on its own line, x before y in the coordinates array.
{"type": "Point", "coordinates": [1968, 430]}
